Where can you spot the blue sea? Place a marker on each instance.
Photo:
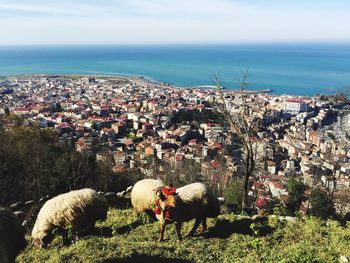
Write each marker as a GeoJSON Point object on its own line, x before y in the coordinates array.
{"type": "Point", "coordinates": [297, 69]}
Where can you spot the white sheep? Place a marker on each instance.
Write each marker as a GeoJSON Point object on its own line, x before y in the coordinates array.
{"type": "Point", "coordinates": [11, 236]}
{"type": "Point", "coordinates": [79, 209]}
{"type": "Point", "coordinates": [143, 195]}
{"type": "Point", "coordinates": [193, 201]}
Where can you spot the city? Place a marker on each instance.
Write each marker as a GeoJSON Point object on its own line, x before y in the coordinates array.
{"type": "Point", "coordinates": [159, 129]}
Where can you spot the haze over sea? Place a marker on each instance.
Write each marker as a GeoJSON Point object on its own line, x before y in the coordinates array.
{"type": "Point", "coordinates": [296, 69]}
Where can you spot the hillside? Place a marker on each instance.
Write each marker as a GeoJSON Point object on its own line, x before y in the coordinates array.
{"type": "Point", "coordinates": [229, 239]}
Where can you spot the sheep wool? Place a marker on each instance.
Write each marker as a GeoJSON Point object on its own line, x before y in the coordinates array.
{"type": "Point", "coordinates": [11, 236]}
{"type": "Point", "coordinates": [143, 195]}
{"type": "Point", "coordinates": [193, 201]}
{"type": "Point", "coordinates": [79, 209]}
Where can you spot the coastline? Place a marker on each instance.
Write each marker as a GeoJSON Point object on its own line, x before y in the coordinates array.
{"type": "Point", "coordinates": [140, 80]}
{"type": "Point", "coordinates": [300, 70]}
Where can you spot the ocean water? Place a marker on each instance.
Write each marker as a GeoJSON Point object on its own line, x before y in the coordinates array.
{"type": "Point", "coordinates": [295, 69]}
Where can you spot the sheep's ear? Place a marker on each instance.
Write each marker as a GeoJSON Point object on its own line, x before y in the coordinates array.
{"type": "Point", "coordinates": [157, 190]}
{"type": "Point", "coordinates": [159, 194]}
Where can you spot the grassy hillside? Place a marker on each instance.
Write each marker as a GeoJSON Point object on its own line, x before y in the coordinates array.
{"type": "Point", "coordinates": [229, 239]}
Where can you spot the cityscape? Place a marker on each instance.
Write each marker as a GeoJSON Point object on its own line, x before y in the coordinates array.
{"type": "Point", "coordinates": [143, 124]}
{"type": "Point", "coordinates": [188, 131]}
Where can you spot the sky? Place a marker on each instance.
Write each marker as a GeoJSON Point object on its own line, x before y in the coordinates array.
{"type": "Point", "coordinates": [31, 22]}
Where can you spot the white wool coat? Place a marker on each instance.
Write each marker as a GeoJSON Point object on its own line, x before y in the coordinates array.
{"type": "Point", "coordinates": [143, 195]}
{"type": "Point", "coordinates": [79, 209]}
{"type": "Point", "coordinates": [193, 201]}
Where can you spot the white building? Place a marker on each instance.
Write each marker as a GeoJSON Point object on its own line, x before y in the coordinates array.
{"type": "Point", "coordinates": [295, 106]}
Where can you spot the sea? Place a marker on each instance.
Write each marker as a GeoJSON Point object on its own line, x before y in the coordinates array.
{"type": "Point", "coordinates": [295, 69]}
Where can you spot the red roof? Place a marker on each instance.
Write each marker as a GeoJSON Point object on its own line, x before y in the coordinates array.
{"type": "Point", "coordinates": [22, 109]}
{"type": "Point", "coordinates": [128, 142]}
{"type": "Point", "coordinates": [178, 157]}
{"type": "Point", "coordinates": [295, 101]}
{"type": "Point", "coordinates": [64, 125]}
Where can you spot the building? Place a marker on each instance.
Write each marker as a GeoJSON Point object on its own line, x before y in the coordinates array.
{"type": "Point", "coordinates": [295, 106]}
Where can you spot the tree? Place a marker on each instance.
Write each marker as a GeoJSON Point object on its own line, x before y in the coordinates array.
{"type": "Point", "coordinates": [242, 126]}
{"type": "Point", "coordinates": [321, 204]}
{"type": "Point", "coordinates": [296, 190]}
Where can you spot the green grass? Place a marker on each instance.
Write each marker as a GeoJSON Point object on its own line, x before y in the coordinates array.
{"type": "Point", "coordinates": [123, 238]}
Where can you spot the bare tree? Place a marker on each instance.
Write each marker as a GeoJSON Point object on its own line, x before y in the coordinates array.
{"type": "Point", "coordinates": [242, 126]}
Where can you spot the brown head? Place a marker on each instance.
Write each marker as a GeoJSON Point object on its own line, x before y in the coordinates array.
{"type": "Point", "coordinates": [42, 239]}
{"type": "Point", "coordinates": [166, 196]}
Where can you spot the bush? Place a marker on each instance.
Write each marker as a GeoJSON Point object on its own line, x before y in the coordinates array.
{"type": "Point", "coordinates": [234, 192]}
{"type": "Point", "coordinates": [34, 164]}
{"type": "Point", "coordinates": [321, 204]}
{"type": "Point", "coordinates": [296, 190]}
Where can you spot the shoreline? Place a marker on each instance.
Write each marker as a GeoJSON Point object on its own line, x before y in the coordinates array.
{"type": "Point", "coordinates": [144, 80]}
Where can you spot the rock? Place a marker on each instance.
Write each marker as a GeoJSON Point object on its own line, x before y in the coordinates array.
{"type": "Point", "coordinates": [20, 215]}
{"type": "Point", "coordinates": [30, 202]}
{"type": "Point", "coordinates": [221, 200]}
{"type": "Point", "coordinates": [259, 219]}
{"type": "Point", "coordinates": [44, 198]}
{"type": "Point", "coordinates": [232, 207]}
{"type": "Point", "coordinates": [288, 218]}
{"type": "Point", "coordinates": [109, 194]}
{"type": "Point", "coordinates": [26, 223]}
{"type": "Point", "coordinates": [250, 211]}
{"type": "Point", "coordinates": [16, 205]}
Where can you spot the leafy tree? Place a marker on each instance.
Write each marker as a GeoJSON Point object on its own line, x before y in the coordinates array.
{"type": "Point", "coordinates": [296, 190]}
{"type": "Point", "coordinates": [321, 204]}
{"type": "Point", "coordinates": [233, 192]}
{"type": "Point", "coordinates": [33, 164]}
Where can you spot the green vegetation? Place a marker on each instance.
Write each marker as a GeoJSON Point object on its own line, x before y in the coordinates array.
{"type": "Point", "coordinates": [230, 238]}
{"type": "Point", "coordinates": [321, 204]}
{"type": "Point", "coordinates": [33, 163]}
{"type": "Point", "coordinates": [198, 116]}
{"type": "Point", "coordinates": [296, 190]}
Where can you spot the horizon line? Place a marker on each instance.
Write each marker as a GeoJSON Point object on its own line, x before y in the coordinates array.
{"type": "Point", "coordinates": [297, 42]}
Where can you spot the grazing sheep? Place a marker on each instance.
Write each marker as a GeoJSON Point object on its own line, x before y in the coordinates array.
{"type": "Point", "coordinates": [188, 202]}
{"type": "Point", "coordinates": [143, 195]}
{"type": "Point", "coordinates": [11, 236]}
{"type": "Point", "coordinates": [79, 209]}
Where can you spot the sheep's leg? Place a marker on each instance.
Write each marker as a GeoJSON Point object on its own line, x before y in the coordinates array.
{"type": "Point", "coordinates": [204, 225]}
{"type": "Point", "coordinates": [178, 230]}
{"type": "Point", "coordinates": [196, 224]}
{"type": "Point", "coordinates": [162, 229]}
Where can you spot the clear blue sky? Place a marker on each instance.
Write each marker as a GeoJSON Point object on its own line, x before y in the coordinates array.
{"type": "Point", "coordinates": [173, 21]}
